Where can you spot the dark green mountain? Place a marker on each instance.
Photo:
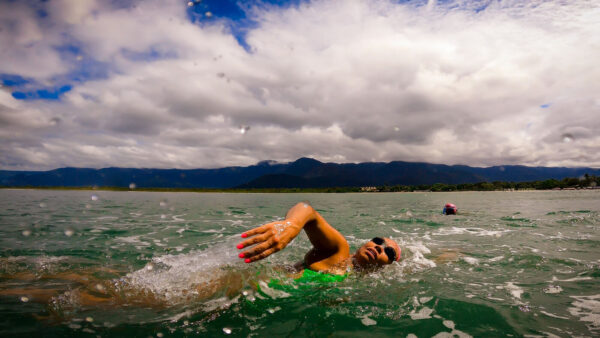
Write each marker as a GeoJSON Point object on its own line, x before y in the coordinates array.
{"type": "Point", "coordinates": [302, 173]}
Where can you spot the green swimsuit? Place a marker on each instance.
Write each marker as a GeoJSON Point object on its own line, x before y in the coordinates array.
{"type": "Point", "coordinates": [307, 281]}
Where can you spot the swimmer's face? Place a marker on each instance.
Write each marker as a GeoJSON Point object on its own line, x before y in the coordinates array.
{"type": "Point", "coordinates": [377, 252]}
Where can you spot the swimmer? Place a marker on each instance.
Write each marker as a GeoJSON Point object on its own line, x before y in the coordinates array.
{"type": "Point", "coordinates": [329, 260]}
{"type": "Point", "coordinates": [330, 252]}
{"type": "Point", "coordinates": [450, 209]}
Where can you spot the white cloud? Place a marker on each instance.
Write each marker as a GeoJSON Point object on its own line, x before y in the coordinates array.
{"type": "Point", "coordinates": [335, 80]}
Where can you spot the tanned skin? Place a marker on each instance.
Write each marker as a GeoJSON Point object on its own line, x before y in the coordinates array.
{"type": "Point", "coordinates": [330, 252]}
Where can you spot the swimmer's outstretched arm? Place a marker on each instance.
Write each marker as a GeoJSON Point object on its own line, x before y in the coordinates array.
{"type": "Point", "coordinates": [329, 246]}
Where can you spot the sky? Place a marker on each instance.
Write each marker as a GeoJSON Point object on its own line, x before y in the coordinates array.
{"type": "Point", "coordinates": [214, 83]}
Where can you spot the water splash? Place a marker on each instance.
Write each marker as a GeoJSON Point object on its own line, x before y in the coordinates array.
{"type": "Point", "coordinates": [175, 278]}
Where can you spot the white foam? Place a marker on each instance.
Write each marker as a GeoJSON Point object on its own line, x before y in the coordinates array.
{"type": "Point", "coordinates": [587, 308]}
{"type": "Point", "coordinates": [470, 260]}
{"type": "Point", "coordinates": [552, 289]}
{"type": "Point", "coordinates": [514, 290]}
{"type": "Point", "coordinates": [470, 231]}
{"type": "Point", "coordinates": [103, 218]}
{"type": "Point", "coordinates": [419, 247]}
{"type": "Point", "coordinates": [419, 261]}
{"type": "Point", "coordinates": [553, 315]}
{"type": "Point", "coordinates": [453, 334]}
{"type": "Point", "coordinates": [495, 259]}
{"type": "Point", "coordinates": [449, 324]}
{"type": "Point", "coordinates": [495, 298]}
{"type": "Point", "coordinates": [273, 293]}
{"type": "Point", "coordinates": [214, 231]}
{"type": "Point", "coordinates": [132, 240]}
{"type": "Point", "coordinates": [368, 321]}
{"type": "Point", "coordinates": [574, 279]}
{"type": "Point", "coordinates": [423, 313]}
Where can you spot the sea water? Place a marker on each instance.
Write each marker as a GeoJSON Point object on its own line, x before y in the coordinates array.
{"type": "Point", "coordinates": [165, 264]}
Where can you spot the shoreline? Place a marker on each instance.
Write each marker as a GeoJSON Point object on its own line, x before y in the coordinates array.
{"type": "Point", "coordinates": [285, 190]}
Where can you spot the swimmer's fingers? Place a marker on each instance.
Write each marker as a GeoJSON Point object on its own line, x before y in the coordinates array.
{"type": "Point", "coordinates": [270, 246]}
{"type": "Point", "coordinates": [257, 230]}
{"type": "Point", "coordinates": [262, 255]}
{"type": "Point", "coordinates": [256, 239]}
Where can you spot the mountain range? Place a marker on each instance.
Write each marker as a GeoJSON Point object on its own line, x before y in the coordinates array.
{"type": "Point", "coordinates": [302, 173]}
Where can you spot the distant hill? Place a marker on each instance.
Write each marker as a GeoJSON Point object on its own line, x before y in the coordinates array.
{"type": "Point", "coordinates": [302, 173]}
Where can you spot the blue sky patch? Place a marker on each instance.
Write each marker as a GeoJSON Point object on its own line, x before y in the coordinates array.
{"type": "Point", "coordinates": [235, 14]}
{"type": "Point", "coordinates": [43, 94]}
{"type": "Point", "coordinates": [11, 80]}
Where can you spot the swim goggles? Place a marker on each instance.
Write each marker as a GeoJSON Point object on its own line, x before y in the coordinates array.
{"type": "Point", "coordinates": [389, 251]}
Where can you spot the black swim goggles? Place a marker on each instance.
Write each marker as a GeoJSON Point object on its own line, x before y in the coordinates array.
{"type": "Point", "coordinates": [389, 251]}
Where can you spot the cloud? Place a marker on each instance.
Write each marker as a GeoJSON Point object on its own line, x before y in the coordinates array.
{"type": "Point", "coordinates": [478, 83]}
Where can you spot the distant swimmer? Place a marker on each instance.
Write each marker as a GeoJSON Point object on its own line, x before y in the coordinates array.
{"type": "Point", "coordinates": [330, 252]}
{"type": "Point", "coordinates": [450, 209]}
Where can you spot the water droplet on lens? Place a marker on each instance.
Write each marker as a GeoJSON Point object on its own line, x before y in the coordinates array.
{"type": "Point", "coordinates": [132, 185]}
{"type": "Point", "coordinates": [227, 330]}
{"type": "Point", "coordinates": [524, 308]}
{"type": "Point", "coordinates": [244, 129]}
{"type": "Point", "coordinates": [24, 299]}
{"type": "Point", "coordinates": [69, 232]}
{"type": "Point", "coordinates": [567, 138]}
{"type": "Point", "coordinates": [26, 233]}
{"type": "Point", "coordinates": [94, 197]}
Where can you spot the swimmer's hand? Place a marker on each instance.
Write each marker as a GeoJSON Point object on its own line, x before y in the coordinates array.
{"type": "Point", "coordinates": [268, 239]}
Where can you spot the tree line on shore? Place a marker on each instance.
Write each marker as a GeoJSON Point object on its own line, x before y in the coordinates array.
{"type": "Point", "coordinates": [584, 182]}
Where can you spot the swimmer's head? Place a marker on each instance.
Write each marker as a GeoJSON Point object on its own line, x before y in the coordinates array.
{"type": "Point", "coordinates": [377, 252]}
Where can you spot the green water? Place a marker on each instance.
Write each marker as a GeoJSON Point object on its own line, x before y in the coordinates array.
{"type": "Point", "coordinates": [165, 264]}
